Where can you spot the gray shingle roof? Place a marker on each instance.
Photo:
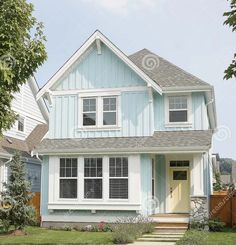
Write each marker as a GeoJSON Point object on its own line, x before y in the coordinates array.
{"type": "Point", "coordinates": [8, 145]}
{"type": "Point", "coordinates": [175, 140]}
{"type": "Point", "coordinates": [164, 73]}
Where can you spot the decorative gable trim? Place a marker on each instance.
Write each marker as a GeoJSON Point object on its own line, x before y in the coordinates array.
{"type": "Point", "coordinates": [94, 38]}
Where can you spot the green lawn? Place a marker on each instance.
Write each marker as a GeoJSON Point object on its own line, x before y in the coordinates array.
{"type": "Point", "coordinates": [222, 238]}
{"type": "Point", "coordinates": [38, 235]}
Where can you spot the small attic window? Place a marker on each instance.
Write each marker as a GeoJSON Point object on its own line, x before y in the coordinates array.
{"type": "Point", "coordinates": [21, 124]}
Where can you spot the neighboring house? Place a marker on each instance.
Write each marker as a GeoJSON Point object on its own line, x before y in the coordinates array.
{"type": "Point", "coordinates": [234, 172]}
{"type": "Point", "coordinates": [215, 165]}
{"type": "Point", "coordinates": [26, 134]}
{"type": "Point", "coordinates": [127, 136]}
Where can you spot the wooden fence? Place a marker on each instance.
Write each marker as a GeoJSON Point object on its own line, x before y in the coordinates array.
{"type": "Point", "coordinates": [36, 203]}
{"type": "Point", "coordinates": [223, 207]}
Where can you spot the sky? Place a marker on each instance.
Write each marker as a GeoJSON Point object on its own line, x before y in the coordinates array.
{"type": "Point", "coordinates": [188, 33]}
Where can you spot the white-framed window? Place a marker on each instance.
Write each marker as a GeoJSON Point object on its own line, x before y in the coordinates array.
{"type": "Point", "coordinates": [68, 178]}
{"type": "Point", "coordinates": [100, 111]}
{"type": "Point", "coordinates": [178, 110]}
{"type": "Point", "coordinates": [109, 111]}
{"type": "Point", "coordinates": [93, 178]}
{"type": "Point", "coordinates": [21, 124]}
{"type": "Point", "coordinates": [89, 112]}
{"type": "Point", "coordinates": [118, 178]}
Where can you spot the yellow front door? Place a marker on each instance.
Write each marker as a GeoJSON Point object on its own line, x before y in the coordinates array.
{"type": "Point", "coordinates": [179, 190]}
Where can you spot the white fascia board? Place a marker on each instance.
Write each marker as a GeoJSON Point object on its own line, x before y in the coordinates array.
{"type": "Point", "coordinates": [187, 89]}
{"type": "Point", "coordinates": [42, 105]}
{"type": "Point", "coordinates": [82, 49]}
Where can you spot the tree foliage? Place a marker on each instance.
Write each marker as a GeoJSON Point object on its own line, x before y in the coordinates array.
{"type": "Point", "coordinates": [226, 165]}
{"type": "Point", "coordinates": [22, 51]}
{"type": "Point", "coordinates": [230, 72]}
{"type": "Point", "coordinates": [17, 196]}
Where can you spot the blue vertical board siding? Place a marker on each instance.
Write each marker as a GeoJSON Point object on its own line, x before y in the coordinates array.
{"type": "Point", "coordinates": [98, 71]}
{"type": "Point", "coordinates": [199, 112]}
{"type": "Point", "coordinates": [44, 186]}
{"type": "Point", "coordinates": [34, 176]}
{"type": "Point", "coordinates": [146, 183]}
{"type": "Point", "coordinates": [135, 117]}
{"type": "Point", "coordinates": [161, 182]}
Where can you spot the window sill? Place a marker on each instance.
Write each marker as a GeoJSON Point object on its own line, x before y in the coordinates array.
{"type": "Point", "coordinates": [115, 128]}
{"type": "Point", "coordinates": [178, 125]}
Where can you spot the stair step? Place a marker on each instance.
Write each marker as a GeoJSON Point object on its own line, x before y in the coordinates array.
{"type": "Point", "coordinates": [169, 233]}
{"type": "Point", "coordinates": [171, 224]}
{"type": "Point", "coordinates": [164, 235]}
{"type": "Point", "coordinates": [158, 239]}
{"type": "Point", "coordinates": [172, 227]}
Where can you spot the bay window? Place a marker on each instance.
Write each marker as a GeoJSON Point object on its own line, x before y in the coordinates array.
{"type": "Point", "coordinates": [118, 182]}
{"type": "Point", "coordinates": [68, 177]}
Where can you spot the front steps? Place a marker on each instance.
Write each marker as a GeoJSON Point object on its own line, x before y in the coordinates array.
{"type": "Point", "coordinates": [169, 228]}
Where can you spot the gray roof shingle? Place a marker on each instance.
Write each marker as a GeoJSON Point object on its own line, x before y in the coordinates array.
{"type": "Point", "coordinates": [171, 140]}
{"type": "Point", "coordinates": [164, 73]}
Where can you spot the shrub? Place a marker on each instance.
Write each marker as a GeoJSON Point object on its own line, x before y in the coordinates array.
{"type": "Point", "coordinates": [196, 225]}
{"type": "Point", "coordinates": [193, 237]}
{"type": "Point", "coordinates": [67, 228]}
{"type": "Point", "coordinates": [129, 229]}
{"type": "Point", "coordinates": [216, 225]}
{"type": "Point", "coordinates": [5, 225]}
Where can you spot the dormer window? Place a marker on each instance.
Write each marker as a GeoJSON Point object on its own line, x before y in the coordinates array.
{"type": "Point", "coordinates": [21, 124]}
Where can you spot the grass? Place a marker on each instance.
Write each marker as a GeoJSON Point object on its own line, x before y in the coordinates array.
{"type": "Point", "coordinates": [227, 237]}
{"type": "Point", "coordinates": [38, 235]}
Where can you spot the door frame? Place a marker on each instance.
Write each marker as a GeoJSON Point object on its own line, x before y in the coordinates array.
{"type": "Point", "coordinates": [180, 157]}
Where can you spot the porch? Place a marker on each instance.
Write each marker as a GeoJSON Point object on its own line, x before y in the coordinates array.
{"type": "Point", "coordinates": [179, 188]}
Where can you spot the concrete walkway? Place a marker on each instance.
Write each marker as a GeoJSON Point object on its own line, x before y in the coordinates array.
{"type": "Point", "coordinates": [153, 243]}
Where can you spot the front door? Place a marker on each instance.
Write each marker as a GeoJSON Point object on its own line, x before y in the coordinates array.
{"type": "Point", "coordinates": [179, 190]}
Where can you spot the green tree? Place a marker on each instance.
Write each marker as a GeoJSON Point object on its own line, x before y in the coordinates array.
{"type": "Point", "coordinates": [22, 51]}
{"type": "Point", "coordinates": [17, 195]}
{"type": "Point", "coordinates": [230, 72]}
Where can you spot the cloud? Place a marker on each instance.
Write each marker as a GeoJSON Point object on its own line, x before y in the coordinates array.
{"type": "Point", "coordinates": [123, 6]}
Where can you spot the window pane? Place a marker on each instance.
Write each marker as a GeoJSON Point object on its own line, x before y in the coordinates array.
{"type": "Point", "coordinates": [89, 105]}
{"type": "Point", "coordinates": [178, 102]}
{"type": "Point", "coordinates": [118, 167]}
{"type": "Point", "coordinates": [109, 118]}
{"type": "Point", "coordinates": [180, 175]}
{"type": "Point", "coordinates": [178, 116]}
{"type": "Point", "coordinates": [21, 124]}
{"type": "Point", "coordinates": [93, 167]}
{"type": "Point", "coordinates": [68, 167]}
{"type": "Point", "coordinates": [125, 167]}
{"type": "Point", "coordinates": [68, 188]}
{"type": "Point", "coordinates": [93, 188]}
{"type": "Point", "coordinates": [109, 104]}
{"type": "Point", "coordinates": [89, 119]}
{"type": "Point", "coordinates": [118, 189]}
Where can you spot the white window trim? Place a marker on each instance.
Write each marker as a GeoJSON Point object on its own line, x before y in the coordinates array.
{"type": "Point", "coordinates": [17, 130]}
{"type": "Point", "coordinates": [128, 178]}
{"type": "Point", "coordinates": [187, 124]}
{"type": "Point", "coordinates": [102, 178]}
{"type": "Point", "coordinates": [59, 178]}
{"type": "Point", "coordinates": [99, 113]}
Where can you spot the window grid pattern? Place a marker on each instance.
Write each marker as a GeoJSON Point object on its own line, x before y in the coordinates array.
{"type": "Point", "coordinates": [68, 177]}
{"type": "Point", "coordinates": [93, 173]}
{"type": "Point", "coordinates": [109, 111]}
{"type": "Point", "coordinates": [179, 163]}
{"type": "Point", "coordinates": [89, 112]}
{"type": "Point", "coordinates": [118, 173]}
{"type": "Point", "coordinates": [21, 122]}
{"type": "Point", "coordinates": [178, 109]}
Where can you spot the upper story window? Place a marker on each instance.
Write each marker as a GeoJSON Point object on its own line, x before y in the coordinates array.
{"type": "Point", "coordinates": [68, 177]}
{"type": "Point", "coordinates": [21, 124]}
{"type": "Point", "coordinates": [99, 112]}
{"type": "Point", "coordinates": [178, 109]}
{"type": "Point", "coordinates": [89, 112]}
{"type": "Point", "coordinates": [109, 111]}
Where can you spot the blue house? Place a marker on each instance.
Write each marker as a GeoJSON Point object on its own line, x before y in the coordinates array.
{"type": "Point", "coordinates": [128, 135]}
